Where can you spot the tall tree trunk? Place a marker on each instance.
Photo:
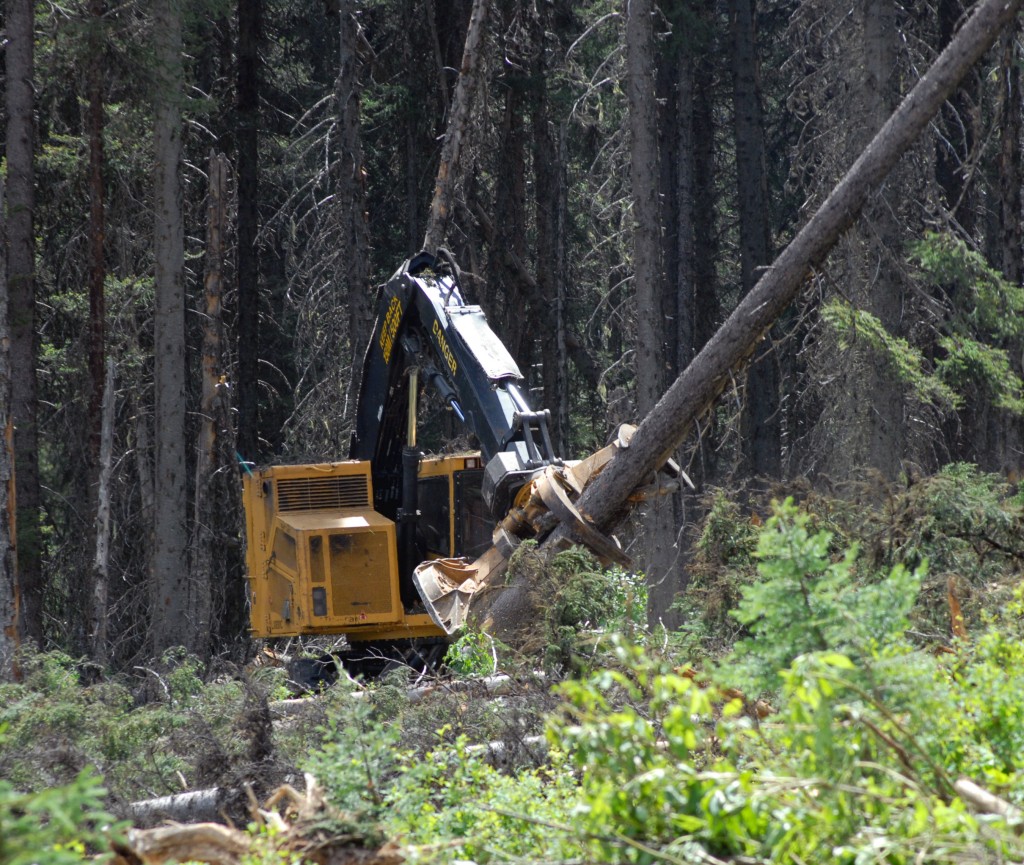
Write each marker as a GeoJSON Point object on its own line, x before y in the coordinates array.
{"type": "Point", "coordinates": [100, 589]}
{"type": "Point", "coordinates": [996, 434]}
{"type": "Point", "coordinates": [352, 195]}
{"type": "Point", "coordinates": [1010, 157]}
{"type": "Point", "coordinates": [953, 149]}
{"type": "Point", "coordinates": [762, 437]}
{"type": "Point", "coordinates": [10, 595]}
{"type": "Point", "coordinates": [863, 425]}
{"type": "Point", "coordinates": [172, 623]}
{"type": "Point", "coordinates": [22, 308]}
{"type": "Point", "coordinates": [97, 597]}
{"type": "Point", "coordinates": [507, 284]}
{"type": "Point", "coordinates": [212, 418]}
{"type": "Point", "coordinates": [548, 201]}
{"type": "Point", "coordinates": [649, 288]}
{"type": "Point", "coordinates": [250, 16]}
{"type": "Point", "coordinates": [410, 128]}
{"type": "Point", "coordinates": [97, 225]}
{"type": "Point", "coordinates": [701, 305]}
{"type": "Point", "coordinates": [458, 121]}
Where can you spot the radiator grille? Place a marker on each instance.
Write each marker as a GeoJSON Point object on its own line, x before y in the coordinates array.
{"type": "Point", "coordinates": [321, 494]}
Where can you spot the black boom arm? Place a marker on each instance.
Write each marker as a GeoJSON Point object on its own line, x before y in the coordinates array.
{"type": "Point", "coordinates": [424, 323]}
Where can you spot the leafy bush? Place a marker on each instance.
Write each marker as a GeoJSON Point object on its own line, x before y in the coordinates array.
{"type": "Point", "coordinates": [855, 765]}
{"type": "Point", "coordinates": [473, 654]}
{"type": "Point", "coordinates": [577, 601]}
{"type": "Point", "coordinates": [357, 760]}
{"type": "Point", "coordinates": [450, 803]}
{"type": "Point", "coordinates": [808, 602]}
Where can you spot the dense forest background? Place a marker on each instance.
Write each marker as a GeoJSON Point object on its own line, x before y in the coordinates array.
{"type": "Point", "coordinates": [200, 197]}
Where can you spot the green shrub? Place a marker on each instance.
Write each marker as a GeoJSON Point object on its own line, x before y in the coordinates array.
{"type": "Point", "coordinates": [473, 654]}
{"type": "Point", "coordinates": [450, 803]}
{"type": "Point", "coordinates": [807, 601]}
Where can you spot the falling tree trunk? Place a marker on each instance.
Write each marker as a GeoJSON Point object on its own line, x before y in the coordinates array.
{"type": "Point", "coordinates": [10, 631]}
{"type": "Point", "coordinates": [247, 161]}
{"type": "Point", "coordinates": [762, 439]}
{"type": "Point", "coordinates": [22, 307]}
{"type": "Point", "coordinates": [170, 622]}
{"type": "Point", "coordinates": [458, 120]}
{"type": "Point", "coordinates": [699, 385]}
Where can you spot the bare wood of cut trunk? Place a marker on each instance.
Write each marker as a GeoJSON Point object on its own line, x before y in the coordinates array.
{"type": "Point", "coordinates": [458, 120]}
{"type": "Point", "coordinates": [699, 385]}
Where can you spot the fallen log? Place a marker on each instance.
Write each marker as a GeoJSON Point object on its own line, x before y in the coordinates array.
{"type": "Point", "coordinates": [195, 806]}
{"type": "Point", "coordinates": [494, 686]}
{"type": "Point", "coordinates": [604, 502]}
{"type": "Point", "coordinates": [206, 806]}
{"type": "Point", "coordinates": [202, 842]}
{"type": "Point", "coordinates": [301, 822]}
{"type": "Point", "coordinates": [987, 803]}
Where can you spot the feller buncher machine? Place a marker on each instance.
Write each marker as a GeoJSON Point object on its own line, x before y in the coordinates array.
{"type": "Point", "coordinates": [388, 547]}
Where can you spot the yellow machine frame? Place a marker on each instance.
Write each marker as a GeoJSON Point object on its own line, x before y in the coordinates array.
{"type": "Point", "coordinates": [320, 560]}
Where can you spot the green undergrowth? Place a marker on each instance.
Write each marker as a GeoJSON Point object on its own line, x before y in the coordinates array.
{"type": "Point", "coordinates": [836, 723]}
{"type": "Point", "coordinates": [966, 524]}
{"type": "Point", "coordinates": [159, 732]}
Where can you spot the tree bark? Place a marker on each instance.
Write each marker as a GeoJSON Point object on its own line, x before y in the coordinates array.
{"type": "Point", "coordinates": [954, 148]}
{"type": "Point", "coordinates": [10, 596]}
{"type": "Point", "coordinates": [22, 308]}
{"type": "Point", "coordinates": [549, 196]}
{"type": "Point", "coordinates": [171, 619]}
{"type": "Point", "coordinates": [212, 417]}
{"type": "Point", "coordinates": [352, 197]}
{"type": "Point", "coordinates": [1010, 107]}
{"type": "Point", "coordinates": [696, 389]}
{"type": "Point", "coordinates": [97, 226]}
{"type": "Point", "coordinates": [649, 288]}
{"type": "Point", "coordinates": [462, 104]}
{"type": "Point", "coordinates": [101, 562]}
{"type": "Point", "coordinates": [506, 288]}
{"type": "Point", "coordinates": [99, 420]}
{"type": "Point", "coordinates": [644, 175]}
{"type": "Point", "coordinates": [700, 305]}
{"type": "Point", "coordinates": [250, 13]}
{"type": "Point", "coordinates": [762, 435]}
